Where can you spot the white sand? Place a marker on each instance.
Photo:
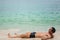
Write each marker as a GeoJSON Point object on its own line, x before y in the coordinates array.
{"type": "Point", "coordinates": [3, 35]}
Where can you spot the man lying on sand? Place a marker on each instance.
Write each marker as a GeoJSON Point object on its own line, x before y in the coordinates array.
{"type": "Point", "coordinates": [43, 36]}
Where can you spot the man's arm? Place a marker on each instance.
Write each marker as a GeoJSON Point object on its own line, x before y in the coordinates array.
{"type": "Point", "coordinates": [45, 37]}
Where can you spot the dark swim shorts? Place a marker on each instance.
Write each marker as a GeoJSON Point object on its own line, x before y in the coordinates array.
{"type": "Point", "coordinates": [32, 35]}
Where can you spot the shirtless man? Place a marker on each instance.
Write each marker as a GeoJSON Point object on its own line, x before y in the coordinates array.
{"type": "Point", "coordinates": [43, 36]}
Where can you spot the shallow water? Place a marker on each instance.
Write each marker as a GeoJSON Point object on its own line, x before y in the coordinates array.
{"type": "Point", "coordinates": [35, 13]}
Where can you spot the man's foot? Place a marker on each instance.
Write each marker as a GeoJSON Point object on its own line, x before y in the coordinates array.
{"type": "Point", "coordinates": [15, 33]}
{"type": "Point", "coordinates": [8, 35]}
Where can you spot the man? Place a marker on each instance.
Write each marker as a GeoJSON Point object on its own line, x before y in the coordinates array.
{"type": "Point", "coordinates": [43, 36]}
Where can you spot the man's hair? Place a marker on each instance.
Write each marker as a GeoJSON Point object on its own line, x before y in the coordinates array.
{"type": "Point", "coordinates": [53, 30]}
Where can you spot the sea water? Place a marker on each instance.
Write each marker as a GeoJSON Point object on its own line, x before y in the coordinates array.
{"type": "Point", "coordinates": [29, 15]}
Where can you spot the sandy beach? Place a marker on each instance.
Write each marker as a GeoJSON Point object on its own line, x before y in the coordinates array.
{"type": "Point", "coordinates": [3, 36]}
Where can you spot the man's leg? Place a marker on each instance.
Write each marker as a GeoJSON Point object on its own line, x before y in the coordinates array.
{"type": "Point", "coordinates": [17, 36]}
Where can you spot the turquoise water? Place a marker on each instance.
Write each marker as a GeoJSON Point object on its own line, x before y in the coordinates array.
{"type": "Point", "coordinates": [36, 18]}
{"type": "Point", "coordinates": [30, 20]}
{"type": "Point", "coordinates": [33, 13]}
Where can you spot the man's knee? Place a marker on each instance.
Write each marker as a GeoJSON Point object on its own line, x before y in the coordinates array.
{"type": "Point", "coordinates": [23, 35]}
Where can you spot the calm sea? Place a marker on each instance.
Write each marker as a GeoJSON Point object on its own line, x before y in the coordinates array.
{"type": "Point", "coordinates": [29, 15]}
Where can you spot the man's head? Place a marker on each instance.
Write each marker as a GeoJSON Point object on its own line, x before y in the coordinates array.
{"type": "Point", "coordinates": [52, 30]}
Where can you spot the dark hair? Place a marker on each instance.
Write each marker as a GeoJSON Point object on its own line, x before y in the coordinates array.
{"type": "Point", "coordinates": [53, 30]}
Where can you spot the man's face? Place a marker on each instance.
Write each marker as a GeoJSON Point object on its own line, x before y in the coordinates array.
{"type": "Point", "coordinates": [50, 30]}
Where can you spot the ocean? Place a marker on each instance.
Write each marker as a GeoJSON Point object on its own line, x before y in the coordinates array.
{"type": "Point", "coordinates": [26, 20]}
